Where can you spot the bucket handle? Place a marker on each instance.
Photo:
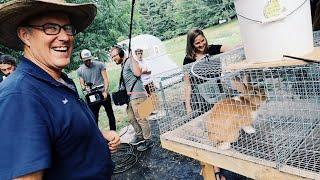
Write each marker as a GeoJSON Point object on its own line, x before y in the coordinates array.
{"type": "Point", "coordinates": [269, 20]}
{"type": "Point", "coordinates": [273, 19]}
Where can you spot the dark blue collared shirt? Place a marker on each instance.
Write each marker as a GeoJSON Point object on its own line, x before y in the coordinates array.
{"type": "Point", "coordinates": [44, 125]}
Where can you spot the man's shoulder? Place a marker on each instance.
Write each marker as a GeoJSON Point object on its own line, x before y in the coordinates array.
{"type": "Point", "coordinates": [80, 67]}
{"type": "Point", "coordinates": [17, 82]}
{"type": "Point", "coordinates": [97, 62]}
{"type": "Point", "coordinates": [127, 65]}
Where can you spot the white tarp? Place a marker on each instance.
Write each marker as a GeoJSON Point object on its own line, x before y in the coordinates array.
{"type": "Point", "coordinates": [154, 53]}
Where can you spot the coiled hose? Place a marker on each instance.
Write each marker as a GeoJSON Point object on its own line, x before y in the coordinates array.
{"type": "Point", "coordinates": [125, 158]}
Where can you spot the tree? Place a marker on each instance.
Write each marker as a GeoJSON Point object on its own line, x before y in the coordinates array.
{"type": "Point", "coordinates": [169, 18]}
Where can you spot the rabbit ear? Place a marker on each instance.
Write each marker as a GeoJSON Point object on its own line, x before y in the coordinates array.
{"type": "Point", "coordinates": [246, 79]}
{"type": "Point", "coordinates": [238, 85]}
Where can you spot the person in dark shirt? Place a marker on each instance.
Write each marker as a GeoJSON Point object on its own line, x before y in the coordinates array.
{"type": "Point", "coordinates": [46, 130]}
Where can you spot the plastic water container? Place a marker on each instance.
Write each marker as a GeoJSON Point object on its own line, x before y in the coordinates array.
{"type": "Point", "coordinates": [273, 28]}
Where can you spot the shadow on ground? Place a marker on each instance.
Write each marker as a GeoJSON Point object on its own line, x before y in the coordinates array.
{"type": "Point", "coordinates": [158, 163]}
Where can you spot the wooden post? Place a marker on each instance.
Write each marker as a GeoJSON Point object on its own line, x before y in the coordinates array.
{"type": "Point", "coordinates": [207, 171]}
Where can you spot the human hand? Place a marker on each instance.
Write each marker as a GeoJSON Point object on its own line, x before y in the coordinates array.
{"type": "Point", "coordinates": [114, 140]}
{"type": "Point", "coordinates": [105, 95]}
{"type": "Point", "coordinates": [86, 89]}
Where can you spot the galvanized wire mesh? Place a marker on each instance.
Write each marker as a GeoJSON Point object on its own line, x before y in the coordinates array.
{"type": "Point", "coordinates": [269, 116]}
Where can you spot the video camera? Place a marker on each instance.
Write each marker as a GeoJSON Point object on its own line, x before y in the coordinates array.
{"type": "Point", "coordinates": [93, 94]}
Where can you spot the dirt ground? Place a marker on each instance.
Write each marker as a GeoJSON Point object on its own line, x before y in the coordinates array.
{"type": "Point", "coordinates": [156, 163]}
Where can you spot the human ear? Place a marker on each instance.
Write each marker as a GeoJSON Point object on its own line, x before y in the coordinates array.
{"type": "Point", "coordinates": [24, 35]}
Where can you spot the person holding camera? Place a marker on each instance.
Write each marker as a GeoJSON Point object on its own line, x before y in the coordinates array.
{"type": "Point", "coordinates": [131, 72]}
{"type": "Point", "coordinates": [92, 75]}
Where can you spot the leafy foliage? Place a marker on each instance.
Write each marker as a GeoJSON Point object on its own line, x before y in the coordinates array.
{"type": "Point", "coordinates": [168, 18]}
{"type": "Point", "coordinates": [111, 22]}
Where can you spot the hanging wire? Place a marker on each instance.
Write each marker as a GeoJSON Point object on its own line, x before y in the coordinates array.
{"type": "Point", "coordinates": [260, 21]}
{"type": "Point", "coordinates": [131, 20]}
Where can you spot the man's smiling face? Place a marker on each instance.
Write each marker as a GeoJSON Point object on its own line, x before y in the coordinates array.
{"type": "Point", "coordinates": [51, 51]}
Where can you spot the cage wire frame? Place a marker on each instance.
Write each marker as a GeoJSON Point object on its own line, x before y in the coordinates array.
{"type": "Point", "coordinates": [286, 124]}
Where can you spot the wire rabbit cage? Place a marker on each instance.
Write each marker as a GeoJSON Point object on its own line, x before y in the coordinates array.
{"type": "Point", "coordinates": [269, 116]}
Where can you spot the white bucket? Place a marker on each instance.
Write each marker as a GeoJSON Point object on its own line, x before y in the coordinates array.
{"type": "Point", "coordinates": [273, 28]}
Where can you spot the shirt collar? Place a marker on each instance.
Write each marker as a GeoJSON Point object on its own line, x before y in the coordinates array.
{"type": "Point", "coordinates": [29, 67]}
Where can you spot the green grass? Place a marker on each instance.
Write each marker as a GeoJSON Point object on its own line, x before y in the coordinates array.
{"type": "Point", "coordinates": [227, 34]}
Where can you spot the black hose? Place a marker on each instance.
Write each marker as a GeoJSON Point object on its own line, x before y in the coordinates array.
{"type": "Point", "coordinates": [125, 158]}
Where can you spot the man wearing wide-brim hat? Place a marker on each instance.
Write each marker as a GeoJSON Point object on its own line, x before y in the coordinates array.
{"type": "Point", "coordinates": [46, 130]}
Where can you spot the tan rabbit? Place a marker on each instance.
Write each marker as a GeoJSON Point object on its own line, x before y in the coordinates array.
{"type": "Point", "coordinates": [230, 115]}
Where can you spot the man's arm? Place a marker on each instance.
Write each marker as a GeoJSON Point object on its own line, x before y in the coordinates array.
{"type": "Point", "coordinates": [82, 83]}
{"type": "Point", "coordinates": [144, 68]}
{"type": "Point", "coordinates": [225, 48]}
{"type": "Point", "coordinates": [32, 176]}
{"type": "Point", "coordinates": [113, 138]}
{"type": "Point", "coordinates": [137, 71]}
{"type": "Point", "coordinates": [105, 82]}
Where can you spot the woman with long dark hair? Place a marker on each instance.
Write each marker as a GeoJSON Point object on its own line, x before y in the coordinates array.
{"type": "Point", "coordinates": [197, 48]}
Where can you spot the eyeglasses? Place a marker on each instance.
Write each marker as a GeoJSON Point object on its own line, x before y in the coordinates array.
{"type": "Point", "coordinates": [114, 56]}
{"type": "Point", "coordinates": [54, 29]}
{"type": "Point", "coordinates": [139, 53]}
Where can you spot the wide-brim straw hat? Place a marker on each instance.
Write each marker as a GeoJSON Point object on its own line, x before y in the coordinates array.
{"type": "Point", "coordinates": [13, 13]}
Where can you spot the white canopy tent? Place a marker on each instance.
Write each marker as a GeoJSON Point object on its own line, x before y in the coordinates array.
{"type": "Point", "coordinates": [153, 52]}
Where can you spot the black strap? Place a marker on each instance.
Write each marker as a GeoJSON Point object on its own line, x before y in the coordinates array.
{"type": "Point", "coordinates": [121, 77]}
{"type": "Point", "coordinates": [121, 74]}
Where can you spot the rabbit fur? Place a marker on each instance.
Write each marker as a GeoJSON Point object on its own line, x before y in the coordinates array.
{"type": "Point", "coordinates": [230, 115]}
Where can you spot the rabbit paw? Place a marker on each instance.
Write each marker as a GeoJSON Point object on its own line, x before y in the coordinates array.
{"type": "Point", "coordinates": [248, 129]}
{"type": "Point", "coordinates": [224, 146]}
